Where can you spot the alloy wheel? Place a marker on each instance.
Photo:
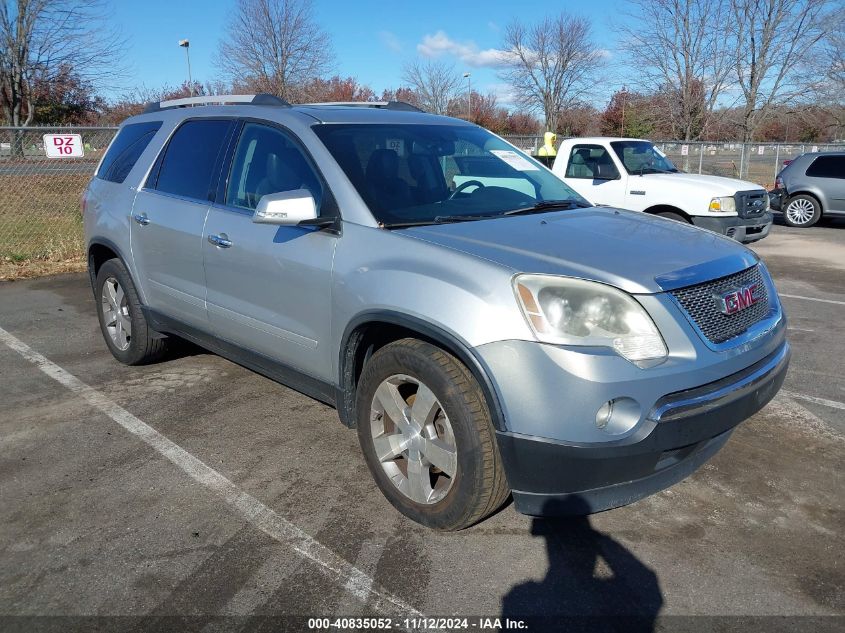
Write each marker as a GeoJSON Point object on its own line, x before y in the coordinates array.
{"type": "Point", "coordinates": [115, 307]}
{"type": "Point", "coordinates": [413, 439]}
{"type": "Point", "coordinates": [800, 211]}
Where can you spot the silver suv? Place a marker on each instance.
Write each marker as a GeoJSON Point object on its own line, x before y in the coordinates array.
{"type": "Point", "coordinates": [487, 330]}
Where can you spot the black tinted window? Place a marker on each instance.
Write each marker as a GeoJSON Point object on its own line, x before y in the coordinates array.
{"type": "Point", "coordinates": [189, 160]}
{"type": "Point", "coordinates": [130, 143]}
{"type": "Point", "coordinates": [827, 167]}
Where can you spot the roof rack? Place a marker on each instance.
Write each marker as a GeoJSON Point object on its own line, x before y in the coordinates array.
{"type": "Point", "coordinates": [259, 99]}
{"type": "Point", "coordinates": [386, 105]}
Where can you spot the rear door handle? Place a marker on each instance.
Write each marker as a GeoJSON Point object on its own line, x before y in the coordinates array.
{"type": "Point", "coordinates": [221, 240]}
{"type": "Point", "coordinates": [141, 218]}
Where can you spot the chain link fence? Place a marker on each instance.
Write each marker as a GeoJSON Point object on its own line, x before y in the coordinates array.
{"type": "Point", "coordinates": [40, 215]}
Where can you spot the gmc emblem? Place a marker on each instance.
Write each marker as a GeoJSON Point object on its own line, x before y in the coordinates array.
{"type": "Point", "coordinates": [737, 299]}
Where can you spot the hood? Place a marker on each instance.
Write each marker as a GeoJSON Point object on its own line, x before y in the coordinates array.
{"type": "Point", "coordinates": [549, 138]}
{"type": "Point", "coordinates": [712, 186]}
{"type": "Point", "coordinates": [633, 251]}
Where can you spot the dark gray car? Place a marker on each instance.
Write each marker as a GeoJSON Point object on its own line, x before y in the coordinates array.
{"type": "Point", "coordinates": [810, 186]}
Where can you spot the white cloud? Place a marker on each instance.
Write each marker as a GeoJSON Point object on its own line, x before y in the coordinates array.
{"type": "Point", "coordinates": [468, 52]}
{"type": "Point", "coordinates": [391, 41]}
{"type": "Point", "coordinates": [505, 94]}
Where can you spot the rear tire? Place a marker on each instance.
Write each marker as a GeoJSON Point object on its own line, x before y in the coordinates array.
{"type": "Point", "coordinates": [802, 211]}
{"type": "Point", "coordinates": [122, 323]}
{"type": "Point", "coordinates": [417, 403]}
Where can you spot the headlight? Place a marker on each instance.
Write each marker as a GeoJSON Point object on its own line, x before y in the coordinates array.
{"type": "Point", "coordinates": [568, 311]}
{"type": "Point", "coordinates": [723, 205]}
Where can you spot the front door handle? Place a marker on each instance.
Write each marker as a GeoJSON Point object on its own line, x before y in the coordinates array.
{"type": "Point", "coordinates": [221, 240]}
{"type": "Point", "coordinates": [141, 218]}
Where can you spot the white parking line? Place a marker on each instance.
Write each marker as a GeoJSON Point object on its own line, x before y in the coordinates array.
{"type": "Point", "coordinates": [833, 404]}
{"type": "Point", "coordinates": [251, 509]}
{"type": "Point", "coordinates": [838, 303]}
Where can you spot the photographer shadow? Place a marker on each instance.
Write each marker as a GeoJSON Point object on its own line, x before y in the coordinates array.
{"type": "Point", "coordinates": [593, 583]}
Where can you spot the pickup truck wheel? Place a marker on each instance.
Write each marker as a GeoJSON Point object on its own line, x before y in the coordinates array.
{"type": "Point", "coordinates": [802, 211]}
{"type": "Point", "coordinates": [669, 215]}
{"type": "Point", "coordinates": [427, 437]}
{"type": "Point", "coordinates": [127, 335]}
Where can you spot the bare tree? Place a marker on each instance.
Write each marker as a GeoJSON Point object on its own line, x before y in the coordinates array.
{"type": "Point", "coordinates": [550, 64]}
{"type": "Point", "coordinates": [831, 88]}
{"type": "Point", "coordinates": [680, 52]}
{"type": "Point", "coordinates": [275, 46]}
{"type": "Point", "coordinates": [41, 39]}
{"type": "Point", "coordinates": [772, 42]}
{"type": "Point", "coordinates": [435, 83]}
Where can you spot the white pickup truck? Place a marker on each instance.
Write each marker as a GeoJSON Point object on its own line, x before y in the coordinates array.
{"type": "Point", "coordinates": [634, 174]}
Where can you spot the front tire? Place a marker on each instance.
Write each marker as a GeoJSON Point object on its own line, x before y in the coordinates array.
{"type": "Point", "coordinates": [427, 436]}
{"type": "Point", "coordinates": [122, 323]}
{"type": "Point", "coordinates": [670, 215]}
{"type": "Point", "coordinates": [802, 211]}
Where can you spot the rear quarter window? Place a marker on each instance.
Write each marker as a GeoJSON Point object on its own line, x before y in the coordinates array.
{"type": "Point", "coordinates": [827, 167]}
{"type": "Point", "coordinates": [124, 152]}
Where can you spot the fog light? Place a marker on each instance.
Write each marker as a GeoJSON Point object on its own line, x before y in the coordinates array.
{"type": "Point", "coordinates": [603, 416]}
{"type": "Point", "coordinates": [618, 416]}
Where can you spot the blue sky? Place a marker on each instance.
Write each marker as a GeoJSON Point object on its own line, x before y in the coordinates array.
{"type": "Point", "coordinates": [371, 39]}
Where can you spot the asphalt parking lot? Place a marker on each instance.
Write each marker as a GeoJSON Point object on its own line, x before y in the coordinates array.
{"type": "Point", "coordinates": [197, 492]}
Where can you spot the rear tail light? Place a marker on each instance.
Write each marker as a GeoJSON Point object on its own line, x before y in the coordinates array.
{"type": "Point", "coordinates": [778, 183]}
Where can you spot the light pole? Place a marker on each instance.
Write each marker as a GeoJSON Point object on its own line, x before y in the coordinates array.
{"type": "Point", "coordinates": [469, 96]}
{"type": "Point", "coordinates": [786, 133]}
{"type": "Point", "coordinates": [187, 45]}
{"type": "Point", "coordinates": [624, 94]}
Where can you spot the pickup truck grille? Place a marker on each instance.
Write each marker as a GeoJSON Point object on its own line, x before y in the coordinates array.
{"type": "Point", "coordinates": [701, 303]}
{"type": "Point", "coordinates": [751, 204]}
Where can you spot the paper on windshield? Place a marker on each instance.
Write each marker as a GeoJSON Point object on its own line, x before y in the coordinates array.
{"type": "Point", "coordinates": [514, 160]}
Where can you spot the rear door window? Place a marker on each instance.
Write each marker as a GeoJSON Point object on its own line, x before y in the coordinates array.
{"type": "Point", "coordinates": [827, 167]}
{"type": "Point", "coordinates": [126, 149]}
{"type": "Point", "coordinates": [191, 159]}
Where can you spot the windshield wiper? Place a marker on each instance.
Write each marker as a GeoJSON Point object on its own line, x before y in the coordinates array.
{"type": "Point", "coordinates": [548, 205]}
{"type": "Point", "coordinates": [655, 170]}
{"type": "Point", "coordinates": [541, 207]}
{"type": "Point", "coordinates": [440, 219]}
{"type": "Point", "coordinates": [449, 219]}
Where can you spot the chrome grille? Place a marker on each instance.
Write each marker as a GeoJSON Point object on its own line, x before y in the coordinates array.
{"type": "Point", "coordinates": [751, 204]}
{"type": "Point", "coordinates": [700, 303]}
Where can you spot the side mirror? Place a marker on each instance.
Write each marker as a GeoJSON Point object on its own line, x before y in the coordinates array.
{"type": "Point", "coordinates": [605, 172]}
{"type": "Point", "coordinates": [286, 208]}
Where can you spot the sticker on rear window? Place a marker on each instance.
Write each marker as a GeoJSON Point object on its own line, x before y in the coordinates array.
{"type": "Point", "coordinates": [514, 160]}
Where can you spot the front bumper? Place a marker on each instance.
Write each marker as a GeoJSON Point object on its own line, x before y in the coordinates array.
{"type": "Point", "coordinates": [684, 429]}
{"type": "Point", "coordinates": [743, 230]}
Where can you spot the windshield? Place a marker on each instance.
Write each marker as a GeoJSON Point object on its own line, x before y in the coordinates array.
{"type": "Point", "coordinates": [641, 157]}
{"type": "Point", "coordinates": [418, 174]}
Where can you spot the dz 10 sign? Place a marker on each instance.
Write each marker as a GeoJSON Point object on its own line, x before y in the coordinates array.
{"type": "Point", "coordinates": [63, 146]}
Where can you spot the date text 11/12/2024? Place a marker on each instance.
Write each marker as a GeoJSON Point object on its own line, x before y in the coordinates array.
{"type": "Point", "coordinates": [418, 623]}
